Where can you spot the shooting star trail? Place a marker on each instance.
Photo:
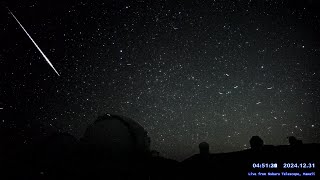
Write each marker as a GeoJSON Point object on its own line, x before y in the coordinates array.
{"type": "Point", "coordinates": [45, 57]}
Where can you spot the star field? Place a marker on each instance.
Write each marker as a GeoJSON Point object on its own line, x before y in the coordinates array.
{"type": "Point", "coordinates": [214, 71]}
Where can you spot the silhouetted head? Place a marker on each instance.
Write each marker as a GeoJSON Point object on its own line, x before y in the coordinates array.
{"type": "Point", "coordinates": [256, 142]}
{"type": "Point", "coordinates": [204, 148]}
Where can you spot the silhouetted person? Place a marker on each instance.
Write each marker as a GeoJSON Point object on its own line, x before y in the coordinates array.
{"type": "Point", "coordinates": [256, 143]}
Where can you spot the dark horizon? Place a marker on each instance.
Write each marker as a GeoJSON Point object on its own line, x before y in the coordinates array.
{"type": "Point", "coordinates": [33, 134]}
{"type": "Point", "coordinates": [115, 146]}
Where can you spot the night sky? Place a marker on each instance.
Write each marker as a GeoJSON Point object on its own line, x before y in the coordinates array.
{"type": "Point", "coordinates": [187, 71]}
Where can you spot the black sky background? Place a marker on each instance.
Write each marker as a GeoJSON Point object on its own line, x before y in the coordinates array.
{"type": "Point", "coordinates": [188, 71]}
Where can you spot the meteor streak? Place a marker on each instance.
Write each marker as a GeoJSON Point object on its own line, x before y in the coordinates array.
{"type": "Point", "coordinates": [45, 57]}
